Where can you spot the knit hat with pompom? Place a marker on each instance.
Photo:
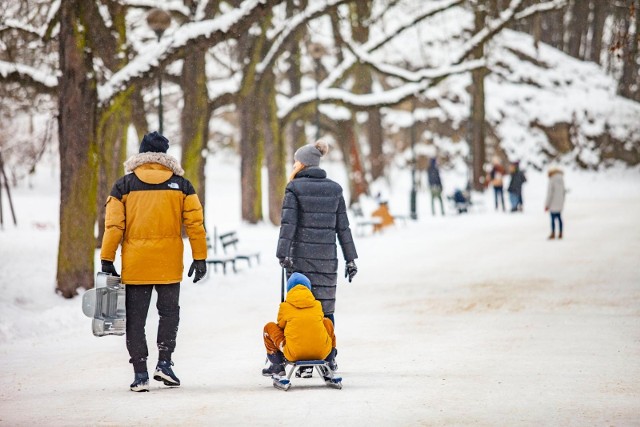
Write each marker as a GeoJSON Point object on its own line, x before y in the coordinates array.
{"type": "Point", "coordinates": [309, 155]}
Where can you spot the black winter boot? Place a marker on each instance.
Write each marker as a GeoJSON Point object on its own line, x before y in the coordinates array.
{"type": "Point", "coordinates": [140, 382]}
{"type": "Point", "coordinates": [277, 365]}
{"type": "Point", "coordinates": [165, 374]}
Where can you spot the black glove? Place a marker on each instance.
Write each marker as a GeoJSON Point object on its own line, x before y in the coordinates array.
{"type": "Point", "coordinates": [107, 267]}
{"type": "Point", "coordinates": [350, 270]}
{"type": "Point", "coordinates": [286, 263]}
{"type": "Point", "coordinates": [200, 267]}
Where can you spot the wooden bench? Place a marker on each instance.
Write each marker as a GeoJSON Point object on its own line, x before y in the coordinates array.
{"type": "Point", "coordinates": [227, 241]}
{"type": "Point", "coordinates": [362, 224]}
{"type": "Point", "coordinates": [230, 238]}
{"type": "Point", "coordinates": [220, 260]}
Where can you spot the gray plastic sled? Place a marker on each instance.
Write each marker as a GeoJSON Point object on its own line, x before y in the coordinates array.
{"type": "Point", "coordinates": [105, 303]}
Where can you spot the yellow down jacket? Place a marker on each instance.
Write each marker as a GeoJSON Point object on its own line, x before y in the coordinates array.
{"type": "Point", "coordinates": [301, 318]}
{"type": "Point", "coordinates": [145, 212]}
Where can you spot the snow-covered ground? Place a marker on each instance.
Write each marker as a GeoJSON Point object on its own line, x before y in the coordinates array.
{"type": "Point", "coordinates": [459, 320]}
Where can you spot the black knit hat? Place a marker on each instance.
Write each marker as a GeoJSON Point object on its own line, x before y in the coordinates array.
{"type": "Point", "coordinates": [155, 143]}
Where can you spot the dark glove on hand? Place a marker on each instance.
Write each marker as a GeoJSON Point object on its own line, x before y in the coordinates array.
{"type": "Point", "coordinates": [286, 263]}
{"type": "Point", "coordinates": [200, 267]}
{"type": "Point", "coordinates": [350, 270]}
{"type": "Point", "coordinates": [107, 267]}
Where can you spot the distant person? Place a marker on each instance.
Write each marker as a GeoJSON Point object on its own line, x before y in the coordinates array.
{"type": "Point", "coordinates": [145, 212]}
{"type": "Point", "coordinates": [555, 200]}
{"type": "Point", "coordinates": [435, 186]}
{"type": "Point", "coordinates": [383, 214]}
{"type": "Point", "coordinates": [515, 187]}
{"type": "Point", "coordinates": [314, 213]}
{"type": "Point", "coordinates": [301, 331]}
{"type": "Point", "coordinates": [496, 175]}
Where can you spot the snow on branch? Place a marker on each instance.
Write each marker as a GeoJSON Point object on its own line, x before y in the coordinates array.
{"type": "Point", "coordinates": [172, 7]}
{"type": "Point", "coordinates": [412, 76]}
{"type": "Point", "coordinates": [540, 8]}
{"type": "Point", "coordinates": [508, 15]}
{"type": "Point", "coordinates": [423, 81]}
{"type": "Point", "coordinates": [374, 44]}
{"type": "Point", "coordinates": [489, 30]}
{"type": "Point", "coordinates": [172, 47]}
{"type": "Point", "coordinates": [28, 76]}
{"type": "Point", "coordinates": [13, 24]}
{"type": "Point", "coordinates": [289, 28]}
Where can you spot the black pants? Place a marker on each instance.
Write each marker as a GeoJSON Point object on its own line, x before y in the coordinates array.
{"type": "Point", "coordinates": [138, 299]}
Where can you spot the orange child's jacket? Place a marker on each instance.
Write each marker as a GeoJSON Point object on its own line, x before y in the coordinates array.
{"type": "Point", "coordinates": [146, 212]}
{"type": "Point", "coordinates": [301, 318]}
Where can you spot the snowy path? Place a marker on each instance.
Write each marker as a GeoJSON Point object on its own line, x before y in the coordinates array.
{"type": "Point", "coordinates": [462, 320]}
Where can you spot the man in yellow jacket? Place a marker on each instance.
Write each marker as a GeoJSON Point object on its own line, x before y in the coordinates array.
{"type": "Point", "coordinates": [302, 331]}
{"type": "Point", "coordinates": [146, 211]}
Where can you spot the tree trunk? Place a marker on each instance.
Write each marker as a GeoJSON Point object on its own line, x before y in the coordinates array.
{"type": "Point", "coordinates": [361, 12]}
{"type": "Point", "coordinates": [630, 79]}
{"type": "Point", "coordinates": [553, 28]}
{"type": "Point", "coordinates": [77, 101]}
{"type": "Point", "coordinates": [577, 25]}
{"type": "Point", "coordinates": [251, 154]}
{"type": "Point", "coordinates": [295, 129]}
{"type": "Point", "coordinates": [251, 131]}
{"type": "Point", "coordinates": [112, 150]}
{"type": "Point", "coordinates": [477, 143]}
{"type": "Point", "coordinates": [275, 149]}
{"type": "Point", "coordinates": [112, 123]}
{"type": "Point", "coordinates": [600, 11]}
{"type": "Point", "coordinates": [194, 119]}
{"type": "Point", "coordinates": [355, 172]}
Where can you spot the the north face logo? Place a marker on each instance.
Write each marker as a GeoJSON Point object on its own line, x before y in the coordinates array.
{"type": "Point", "coordinates": [174, 185]}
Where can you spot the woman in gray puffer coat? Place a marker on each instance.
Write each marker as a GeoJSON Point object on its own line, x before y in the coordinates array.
{"type": "Point", "coordinates": [313, 214]}
{"type": "Point", "coordinates": [555, 200]}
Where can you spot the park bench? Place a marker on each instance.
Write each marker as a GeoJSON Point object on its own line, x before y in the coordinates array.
{"type": "Point", "coordinates": [230, 239]}
{"type": "Point", "coordinates": [362, 224]}
{"type": "Point", "coordinates": [230, 254]}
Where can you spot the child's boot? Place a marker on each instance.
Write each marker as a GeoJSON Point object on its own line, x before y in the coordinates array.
{"type": "Point", "coordinates": [331, 360]}
{"type": "Point", "coordinates": [553, 236]}
{"type": "Point", "coordinates": [277, 365]}
{"type": "Point", "coordinates": [560, 235]}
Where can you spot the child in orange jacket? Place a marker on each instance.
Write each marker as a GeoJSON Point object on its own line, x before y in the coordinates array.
{"type": "Point", "coordinates": [302, 331]}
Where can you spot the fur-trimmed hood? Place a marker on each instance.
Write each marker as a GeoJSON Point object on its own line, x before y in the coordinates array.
{"type": "Point", "coordinates": [554, 170]}
{"type": "Point", "coordinates": [163, 159]}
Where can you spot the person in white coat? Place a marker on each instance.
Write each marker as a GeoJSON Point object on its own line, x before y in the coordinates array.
{"type": "Point", "coordinates": [555, 200]}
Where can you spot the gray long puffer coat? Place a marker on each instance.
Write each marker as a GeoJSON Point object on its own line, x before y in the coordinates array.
{"type": "Point", "coordinates": [555, 191]}
{"type": "Point", "coordinates": [313, 213]}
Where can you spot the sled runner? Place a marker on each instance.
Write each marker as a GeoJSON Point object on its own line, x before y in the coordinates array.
{"type": "Point", "coordinates": [284, 383]}
{"type": "Point", "coordinates": [105, 304]}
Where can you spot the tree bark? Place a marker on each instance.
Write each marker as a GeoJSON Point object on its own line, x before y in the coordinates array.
{"type": "Point", "coordinates": [295, 129]}
{"type": "Point", "coordinates": [113, 120]}
{"type": "Point", "coordinates": [77, 103]}
{"type": "Point", "coordinates": [600, 11]}
{"type": "Point", "coordinates": [194, 119]}
{"type": "Point", "coordinates": [629, 82]}
{"type": "Point", "coordinates": [275, 150]}
{"type": "Point", "coordinates": [477, 143]}
{"type": "Point", "coordinates": [112, 150]}
{"type": "Point", "coordinates": [251, 129]}
{"type": "Point", "coordinates": [351, 154]}
{"type": "Point", "coordinates": [361, 12]}
{"type": "Point", "coordinates": [577, 25]}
